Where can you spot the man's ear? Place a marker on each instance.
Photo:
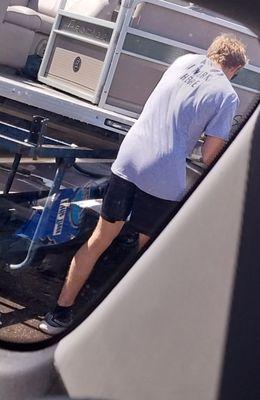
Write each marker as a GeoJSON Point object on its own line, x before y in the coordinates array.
{"type": "Point", "coordinates": [236, 69]}
{"type": "Point", "coordinates": [233, 71]}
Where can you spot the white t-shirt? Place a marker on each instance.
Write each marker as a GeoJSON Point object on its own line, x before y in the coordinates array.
{"type": "Point", "coordinates": [193, 96]}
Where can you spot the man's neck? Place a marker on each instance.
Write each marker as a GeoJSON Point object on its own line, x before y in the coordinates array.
{"type": "Point", "coordinates": [225, 70]}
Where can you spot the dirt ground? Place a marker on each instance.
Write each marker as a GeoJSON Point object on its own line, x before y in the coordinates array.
{"type": "Point", "coordinates": [26, 296]}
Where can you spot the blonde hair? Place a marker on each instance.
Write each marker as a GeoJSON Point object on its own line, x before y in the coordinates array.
{"type": "Point", "coordinates": [227, 51]}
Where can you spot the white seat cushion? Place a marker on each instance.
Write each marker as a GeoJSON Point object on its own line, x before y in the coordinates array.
{"type": "Point", "coordinates": [93, 8]}
{"type": "Point", "coordinates": [28, 18]}
{"type": "Point", "coordinates": [46, 7]}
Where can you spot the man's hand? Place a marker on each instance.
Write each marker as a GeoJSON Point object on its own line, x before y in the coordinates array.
{"type": "Point", "coordinates": [211, 148]}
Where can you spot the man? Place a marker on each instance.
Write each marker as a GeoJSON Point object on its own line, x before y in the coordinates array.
{"type": "Point", "coordinates": [148, 179]}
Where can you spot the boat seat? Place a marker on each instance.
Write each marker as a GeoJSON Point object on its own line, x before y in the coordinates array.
{"type": "Point", "coordinates": [26, 24]}
{"type": "Point", "coordinates": [29, 19]}
{"type": "Point", "coordinates": [103, 9]}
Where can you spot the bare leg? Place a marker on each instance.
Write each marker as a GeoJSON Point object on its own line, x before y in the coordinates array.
{"type": "Point", "coordinates": [85, 259]}
{"type": "Point", "coordinates": [143, 239]}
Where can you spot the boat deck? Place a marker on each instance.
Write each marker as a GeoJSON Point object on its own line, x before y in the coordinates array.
{"type": "Point", "coordinates": [19, 88]}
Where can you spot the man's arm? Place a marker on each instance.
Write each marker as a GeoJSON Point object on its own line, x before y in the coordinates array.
{"type": "Point", "coordinates": [211, 148]}
{"type": "Point", "coordinates": [218, 129]}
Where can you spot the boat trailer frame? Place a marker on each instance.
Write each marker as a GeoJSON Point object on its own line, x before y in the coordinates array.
{"type": "Point", "coordinates": [35, 143]}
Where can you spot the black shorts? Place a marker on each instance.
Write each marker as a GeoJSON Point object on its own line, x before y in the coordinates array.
{"type": "Point", "coordinates": [124, 201]}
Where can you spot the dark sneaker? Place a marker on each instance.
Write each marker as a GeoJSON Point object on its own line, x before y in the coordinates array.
{"type": "Point", "coordinates": [55, 322]}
